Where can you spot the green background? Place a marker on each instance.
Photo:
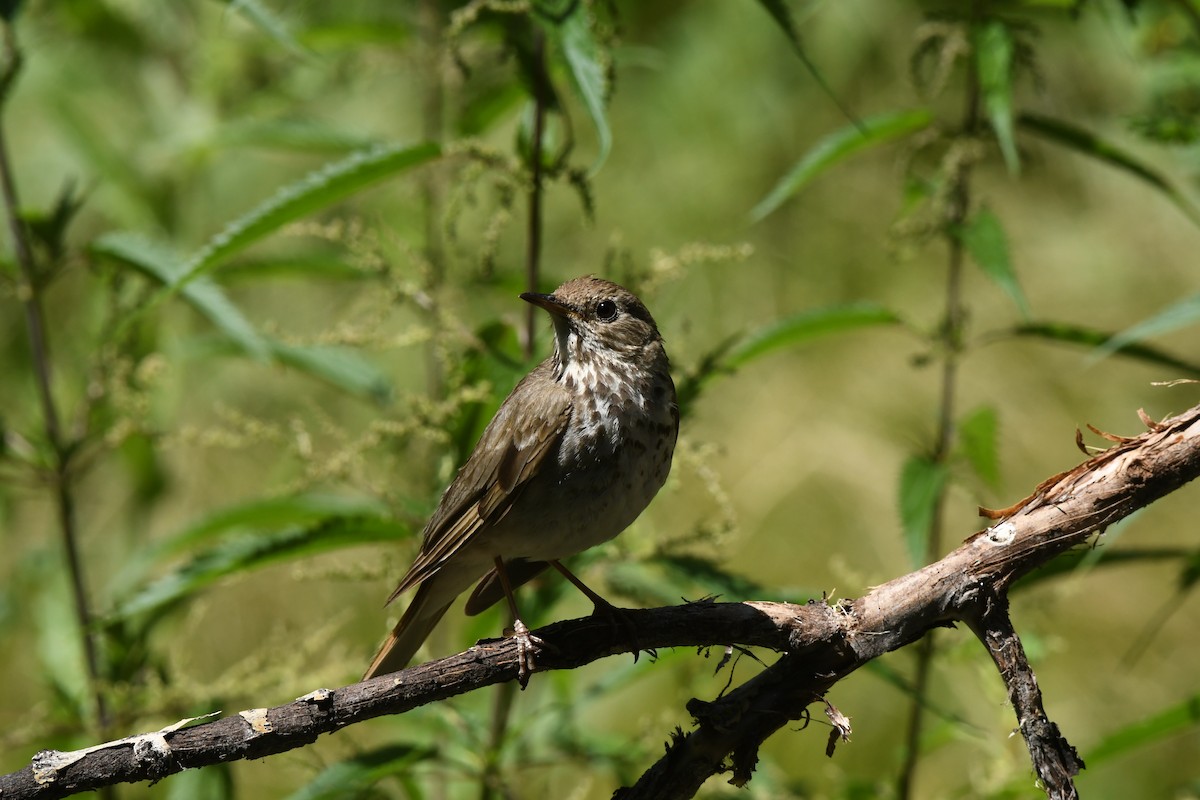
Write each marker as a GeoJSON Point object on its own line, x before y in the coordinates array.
{"type": "Point", "coordinates": [384, 330]}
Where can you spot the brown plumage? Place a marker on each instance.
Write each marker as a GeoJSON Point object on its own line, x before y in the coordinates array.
{"type": "Point", "coordinates": [572, 457]}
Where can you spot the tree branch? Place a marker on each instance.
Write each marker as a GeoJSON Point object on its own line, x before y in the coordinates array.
{"type": "Point", "coordinates": [821, 643]}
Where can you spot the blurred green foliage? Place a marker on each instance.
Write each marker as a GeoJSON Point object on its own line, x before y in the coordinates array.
{"type": "Point", "coordinates": [899, 253]}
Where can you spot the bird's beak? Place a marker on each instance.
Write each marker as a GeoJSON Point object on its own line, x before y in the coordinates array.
{"type": "Point", "coordinates": [549, 302]}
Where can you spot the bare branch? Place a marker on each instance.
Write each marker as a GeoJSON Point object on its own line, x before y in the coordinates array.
{"type": "Point", "coordinates": [821, 644]}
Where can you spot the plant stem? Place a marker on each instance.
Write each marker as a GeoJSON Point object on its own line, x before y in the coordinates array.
{"type": "Point", "coordinates": [30, 293]}
{"type": "Point", "coordinates": [533, 244]}
{"type": "Point", "coordinates": [430, 22]}
{"type": "Point", "coordinates": [953, 323]}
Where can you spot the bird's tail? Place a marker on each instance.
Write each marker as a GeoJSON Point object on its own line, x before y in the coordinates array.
{"type": "Point", "coordinates": [410, 632]}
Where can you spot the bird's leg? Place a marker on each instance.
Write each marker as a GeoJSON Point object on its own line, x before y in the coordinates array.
{"type": "Point", "coordinates": [527, 643]}
{"type": "Point", "coordinates": [602, 607]}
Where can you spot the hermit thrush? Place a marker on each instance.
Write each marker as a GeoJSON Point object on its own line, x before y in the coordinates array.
{"type": "Point", "coordinates": [571, 458]}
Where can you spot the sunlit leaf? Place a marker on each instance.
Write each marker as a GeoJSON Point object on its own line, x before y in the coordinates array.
{"type": "Point", "coordinates": [242, 554]}
{"type": "Point", "coordinates": [354, 776]}
{"type": "Point", "coordinates": [839, 146]}
{"type": "Point", "coordinates": [993, 50]}
{"type": "Point", "coordinates": [1089, 144]}
{"type": "Point", "coordinates": [1091, 337]}
{"type": "Point", "coordinates": [797, 329]}
{"type": "Point", "coordinates": [268, 22]}
{"type": "Point", "coordinates": [585, 59]}
{"type": "Point", "coordinates": [1167, 723]}
{"type": "Point", "coordinates": [304, 135]}
{"type": "Point", "coordinates": [320, 189]}
{"type": "Point", "coordinates": [339, 366]}
{"type": "Point", "coordinates": [983, 236]}
{"type": "Point", "coordinates": [807, 325]}
{"type": "Point", "coordinates": [977, 441]}
{"type": "Point", "coordinates": [1069, 562]}
{"type": "Point", "coordinates": [271, 512]}
{"type": "Point", "coordinates": [1183, 314]}
{"type": "Point", "coordinates": [214, 782]}
{"type": "Point", "coordinates": [159, 262]}
{"type": "Point", "coordinates": [782, 15]}
{"type": "Point", "coordinates": [921, 483]}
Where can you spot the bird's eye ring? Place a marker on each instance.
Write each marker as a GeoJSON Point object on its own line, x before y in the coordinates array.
{"type": "Point", "coordinates": [606, 310]}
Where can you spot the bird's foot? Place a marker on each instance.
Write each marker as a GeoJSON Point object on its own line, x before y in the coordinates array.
{"type": "Point", "coordinates": [527, 647]}
{"type": "Point", "coordinates": [619, 618]}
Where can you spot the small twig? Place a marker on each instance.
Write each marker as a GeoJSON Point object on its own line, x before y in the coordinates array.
{"type": "Point", "coordinates": [1054, 760]}
{"type": "Point", "coordinates": [533, 235]}
{"type": "Point", "coordinates": [30, 293]}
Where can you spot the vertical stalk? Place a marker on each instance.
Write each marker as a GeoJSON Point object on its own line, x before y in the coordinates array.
{"type": "Point", "coordinates": [430, 23]}
{"type": "Point", "coordinates": [533, 243]}
{"type": "Point", "coordinates": [951, 335]}
{"type": "Point", "coordinates": [489, 781]}
{"type": "Point", "coordinates": [30, 293]}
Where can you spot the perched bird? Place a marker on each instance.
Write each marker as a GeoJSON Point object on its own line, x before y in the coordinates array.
{"type": "Point", "coordinates": [572, 457]}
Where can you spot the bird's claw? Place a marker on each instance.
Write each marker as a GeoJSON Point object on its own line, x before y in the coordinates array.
{"type": "Point", "coordinates": [527, 647]}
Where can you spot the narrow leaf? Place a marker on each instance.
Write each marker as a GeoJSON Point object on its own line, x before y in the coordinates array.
{"type": "Point", "coordinates": [983, 236]}
{"type": "Point", "coordinates": [783, 18]}
{"type": "Point", "coordinates": [268, 22]}
{"type": "Point", "coordinates": [246, 553]}
{"type": "Point", "coordinates": [977, 441]}
{"type": "Point", "coordinates": [1165, 724]}
{"type": "Point", "coordinates": [319, 189]}
{"type": "Point", "coordinates": [354, 777]}
{"type": "Point", "coordinates": [339, 366]}
{"type": "Point", "coordinates": [993, 52]}
{"type": "Point", "coordinates": [921, 483]}
{"type": "Point", "coordinates": [271, 512]}
{"type": "Point", "coordinates": [839, 146]}
{"type": "Point", "coordinates": [159, 262]}
{"type": "Point", "coordinates": [1180, 315]}
{"type": "Point", "coordinates": [584, 58]}
{"type": "Point", "coordinates": [1091, 337]}
{"type": "Point", "coordinates": [1089, 144]}
{"type": "Point", "coordinates": [804, 326]}
{"type": "Point", "coordinates": [1070, 562]}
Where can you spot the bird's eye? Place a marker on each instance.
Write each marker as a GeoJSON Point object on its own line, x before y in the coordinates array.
{"type": "Point", "coordinates": [606, 310]}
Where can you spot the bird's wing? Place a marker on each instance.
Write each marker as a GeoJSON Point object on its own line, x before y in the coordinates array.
{"type": "Point", "coordinates": [528, 427]}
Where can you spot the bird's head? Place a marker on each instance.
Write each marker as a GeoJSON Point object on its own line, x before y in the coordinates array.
{"type": "Point", "coordinates": [597, 318]}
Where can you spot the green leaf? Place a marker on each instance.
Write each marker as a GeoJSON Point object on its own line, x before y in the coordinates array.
{"type": "Point", "coordinates": [805, 326]}
{"type": "Point", "coordinates": [977, 441]}
{"type": "Point", "coordinates": [1089, 144]}
{"type": "Point", "coordinates": [1166, 723]}
{"type": "Point", "coordinates": [783, 18]}
{"type": "Point", "coordinates": [993, 50]}
{"type": "Point", "coordinates": [921, 484]}
{"type": "Point", "coordinates": [214, 782]}
{"type": "Point", "coordinates": [585, 60]}
{"type": "Point", "coordinates": [303, 135]}
{"type": "Point", "coordinates": [983, 236]}
{"type": "Point", "coordinates": [1072, 561]}
{"type": "Point", "coordinates": [319, 189]}
{"type": "Point", "coordinates": [268, 22]}
{"type": "Point", "coordinates": [355, 776]}
{"type": "Point", "coordinates": [272, 512]}
{"type": "Point", "coordinates": [1091, 337]}
{"type": "Point", "coordinates": [339, 366]}
{"type": "Point", "coordinates": [839, 146]}
{"type": "Point", "coordinates": [242, 554]}
{"type": "Point", "coordinates": [1180, 315]}
{"type": "Point", "coordinates": [159, 262]}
